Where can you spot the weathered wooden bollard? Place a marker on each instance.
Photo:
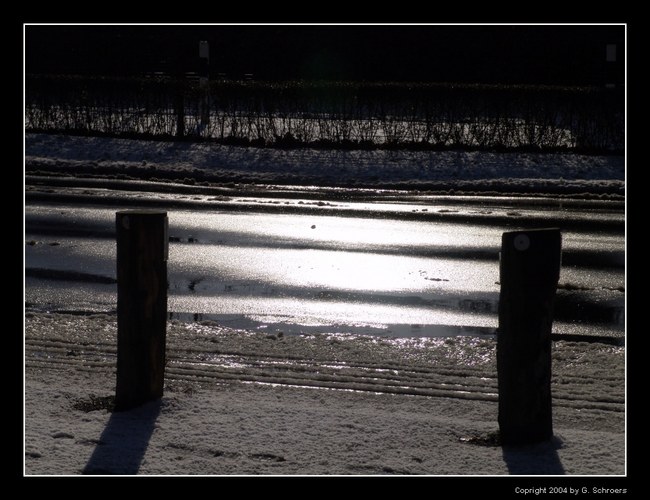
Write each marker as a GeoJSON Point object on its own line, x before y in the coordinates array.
{"type": "Point", "coordinates": [141, 306]}
{"type": "Point", "coordinates": [529, 269]}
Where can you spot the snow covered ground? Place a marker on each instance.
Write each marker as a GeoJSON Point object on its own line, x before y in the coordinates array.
{"type": "Point", "coordinates": [238, 402]}
{"type": "Point", "coordinates": [441, 170]}
{"type": "Point", "coordinates": [241, 402]}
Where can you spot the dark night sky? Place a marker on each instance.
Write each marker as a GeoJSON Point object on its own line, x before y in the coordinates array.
{"type": "Point", "coordinates": [566, 55]}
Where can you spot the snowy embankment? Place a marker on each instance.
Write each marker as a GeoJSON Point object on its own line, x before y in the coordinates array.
{"type": "Point", "coordinates": [429, 170]}
{"type": "Point", "coordinates": [249, 403]}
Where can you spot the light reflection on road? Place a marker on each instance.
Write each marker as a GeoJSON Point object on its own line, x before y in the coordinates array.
{"type": "Point", "coordinates": [303, 272]}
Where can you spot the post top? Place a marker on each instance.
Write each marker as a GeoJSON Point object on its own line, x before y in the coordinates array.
{"type": "Point", "coordinates": [141, 212]}
{"type": "Point", "coordinates": [536, 230]}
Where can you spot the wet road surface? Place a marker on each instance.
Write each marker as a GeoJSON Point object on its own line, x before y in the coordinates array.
{"type": "Point", "coordinates": [391, 268]}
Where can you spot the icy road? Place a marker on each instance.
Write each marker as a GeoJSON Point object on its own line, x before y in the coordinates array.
{"type": "Point", "coordinates": [292, 266]}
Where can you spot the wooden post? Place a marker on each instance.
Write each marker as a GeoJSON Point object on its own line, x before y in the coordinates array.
{"type": "Point", "coordinates": [141, 306]}
{"type": "Point", "coordinates": [204, 78]}
{"type": "Point", "coordinates": [530, 269]}
{"type": "Point", "coordinates": [179, 107]}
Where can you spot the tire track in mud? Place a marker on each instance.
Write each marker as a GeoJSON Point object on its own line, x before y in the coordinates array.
{"type": "Point", "coordinates": [430, 380]}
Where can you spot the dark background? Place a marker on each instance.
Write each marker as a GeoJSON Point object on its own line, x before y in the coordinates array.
{"type": "Point", "coordinates": [522, 54]}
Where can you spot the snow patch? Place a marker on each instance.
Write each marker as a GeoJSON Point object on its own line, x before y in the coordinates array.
{"type": "Point", "coordinates": [238, 403]}
{"type": "Point", "coordinates": [406, 169]}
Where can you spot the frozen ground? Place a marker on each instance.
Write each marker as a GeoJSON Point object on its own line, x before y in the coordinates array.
{"type": "Point", "coordinates": [247, 403]}
{"type": "Point", "coordinates": [239, 402]}
{"type": "Point", "coordinates": [439, 170]}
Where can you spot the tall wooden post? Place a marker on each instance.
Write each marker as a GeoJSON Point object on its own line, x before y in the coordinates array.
{"type": "Point", "coordinates": [204, 103]}
{"type": "Point", "coordinates": [141, 306]}
{"type": "Point", "coordinates": [179, 107]}
{"type": "Point", "coordinates": [530, 269]}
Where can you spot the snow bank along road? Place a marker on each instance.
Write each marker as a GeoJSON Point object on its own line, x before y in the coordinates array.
{"type": "Point", "coordinates": [323, 261]}
{"type": "Point", "coordinates": [431, 170]}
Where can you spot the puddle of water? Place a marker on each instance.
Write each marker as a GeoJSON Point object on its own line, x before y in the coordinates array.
{"type": "Point", "coordinates": [242, 322]}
